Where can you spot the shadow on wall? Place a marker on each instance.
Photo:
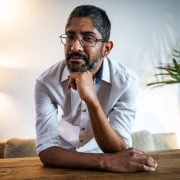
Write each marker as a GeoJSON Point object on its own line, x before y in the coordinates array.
{"type": "Point", "coordinates": [160, 33]}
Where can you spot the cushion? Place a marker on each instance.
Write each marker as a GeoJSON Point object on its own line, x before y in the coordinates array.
{"type": "Point", "coordinates": [165, 141]}
{"type": "Point", "coordinates": [15, 148]}
{"type": "Point", "coordinates": [143, 140]}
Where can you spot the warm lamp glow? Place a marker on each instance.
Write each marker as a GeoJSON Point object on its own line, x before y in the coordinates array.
{"type": "Point", "coordinates": [8, 8]}
{"type": "Point", "coordinates": [4, 62]}
{"type": "Point", "coordinates": [9, 16]}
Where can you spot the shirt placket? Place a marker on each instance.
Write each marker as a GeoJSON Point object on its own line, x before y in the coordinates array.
{"type": "Point", "coordinates": [83, 124]}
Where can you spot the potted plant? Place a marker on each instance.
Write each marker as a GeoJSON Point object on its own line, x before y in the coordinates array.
{"type": "Point", "coordinates": [171, 71]}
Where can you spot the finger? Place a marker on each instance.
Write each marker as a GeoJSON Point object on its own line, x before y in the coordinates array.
{"type": "Point", "coordinates": [140, 153]}
{"type": "Point", "coordinates": [72, 85]}
{"type": "Point", "coordinates": [72, 82]}
{"type": "Point", "coordinates": [146, 168]}
{"type": "Point", "coordinates": [146, 160]}
{"type": "Point", "coordinates": [140, 167]}
{"type": "Point", "coordinates": [141, 157]}
{"type": "Point", "coordinates": [69, 86]}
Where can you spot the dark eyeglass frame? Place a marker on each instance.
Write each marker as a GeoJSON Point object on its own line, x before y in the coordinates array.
{"type": "Point", "coordinates": [80, 40]}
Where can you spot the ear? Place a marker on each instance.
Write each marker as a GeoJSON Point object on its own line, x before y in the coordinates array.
{"type": "Point", "coordinates": [107, 48]}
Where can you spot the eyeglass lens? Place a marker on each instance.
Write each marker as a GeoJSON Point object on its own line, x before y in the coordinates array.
{"type": "Point", "coordinates": [84, 40]}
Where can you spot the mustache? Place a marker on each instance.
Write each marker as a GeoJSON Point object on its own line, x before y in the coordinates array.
{"type": "Point", "coordinates": [78, 54]}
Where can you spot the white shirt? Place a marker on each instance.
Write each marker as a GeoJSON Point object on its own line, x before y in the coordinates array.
{"type": "Point", "coordinates": [116, 91]}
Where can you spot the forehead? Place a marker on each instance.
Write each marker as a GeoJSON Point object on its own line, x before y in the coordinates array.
{"type": "Point", "coordinates": [79, 25]}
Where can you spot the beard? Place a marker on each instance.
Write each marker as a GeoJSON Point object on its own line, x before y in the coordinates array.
{"type": "Point", "coordinates": [74, 66]}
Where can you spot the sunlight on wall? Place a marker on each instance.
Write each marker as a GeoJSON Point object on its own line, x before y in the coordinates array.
{"type": "Point", "coordinates": [23, 37]}
{"type": "Point", "coordinates": [4, 62]}
{"type": "Point", "coordinates": [8, 11]}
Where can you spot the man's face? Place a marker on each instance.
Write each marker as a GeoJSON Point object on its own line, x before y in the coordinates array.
{"type": "Point", "coordinates": [78, 57]}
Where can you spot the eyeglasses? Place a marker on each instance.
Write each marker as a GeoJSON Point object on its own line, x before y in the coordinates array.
{"type": "Point", "coordinates": [86, 41]}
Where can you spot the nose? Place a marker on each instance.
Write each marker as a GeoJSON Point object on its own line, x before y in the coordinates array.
{"type": "Point", "coordinates": [77, 47]}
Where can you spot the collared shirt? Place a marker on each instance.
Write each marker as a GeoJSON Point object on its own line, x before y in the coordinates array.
{"type": "Point", "coordinates": [116, 88]}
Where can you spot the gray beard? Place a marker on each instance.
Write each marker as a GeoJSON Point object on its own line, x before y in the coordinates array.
{"type": "Point", "coordinates": [84, 67]}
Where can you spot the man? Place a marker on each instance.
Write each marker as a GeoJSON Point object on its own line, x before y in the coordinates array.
{"type": "Point", "coordinates": [97, 96]}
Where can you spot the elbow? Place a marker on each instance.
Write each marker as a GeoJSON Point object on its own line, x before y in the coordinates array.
{"type": "Point", "coordinates": [46, 157]}
{"type": "Point", "coordinates": [43, 158]}
{"type": "Point", "coordinates": [51, 156]}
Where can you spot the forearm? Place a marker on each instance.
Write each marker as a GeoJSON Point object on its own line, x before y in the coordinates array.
{"type": "Point", "coordinates": [129, 160]}
{"type": "Point", "coordinates": [64, 158]}
{"type": "Point", "coordinates": [107, 138]}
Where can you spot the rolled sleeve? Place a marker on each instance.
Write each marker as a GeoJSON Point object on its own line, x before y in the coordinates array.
{"type": "Point", "coordinates": [46, 119]}
{"type": "Point", "coordinates": [123, 113]}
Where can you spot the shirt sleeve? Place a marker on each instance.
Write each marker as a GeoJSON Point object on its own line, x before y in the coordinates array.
{"type": "Point", "coordinates": [123, 112]}
{"type": "Point", "coordinates": [47, 133]}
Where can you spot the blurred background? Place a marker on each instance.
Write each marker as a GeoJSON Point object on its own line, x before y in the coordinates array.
{"type": "Point", "coordinates": [144, 34]}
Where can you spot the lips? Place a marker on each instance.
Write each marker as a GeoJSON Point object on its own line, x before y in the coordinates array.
{"type": "Point", "coordinates": [76, 59]}
{"type": "Point", "coordinates": [77, 62]}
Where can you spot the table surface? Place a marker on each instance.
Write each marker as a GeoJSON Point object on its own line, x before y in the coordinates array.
{"type": "Point", "coordinates": [32, 168]}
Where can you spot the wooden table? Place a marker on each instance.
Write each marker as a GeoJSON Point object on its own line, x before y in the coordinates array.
{"type": "Point", "coordinates": [32, 168]}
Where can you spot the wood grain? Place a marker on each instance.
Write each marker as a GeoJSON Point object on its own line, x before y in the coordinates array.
{"type": "Point", "coordinates": [32, 168]}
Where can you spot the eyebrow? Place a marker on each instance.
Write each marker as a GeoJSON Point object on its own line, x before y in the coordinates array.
{"type": "Point", "coordinates": [83, 32]}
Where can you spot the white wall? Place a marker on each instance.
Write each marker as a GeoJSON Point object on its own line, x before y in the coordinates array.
{"type": "Point", "coordinates": [144, 33]}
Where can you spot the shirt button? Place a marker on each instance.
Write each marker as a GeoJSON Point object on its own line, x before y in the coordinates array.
{"type": "Point", "coordinates": [81, 140]}
{"type": "Point", "coordinates": [84, 110]}
{"type": "Point", "coordinates": [83, 129]}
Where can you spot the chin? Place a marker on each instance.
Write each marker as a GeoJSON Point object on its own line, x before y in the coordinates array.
{"type": "Point", "coordinates": [78, 68]}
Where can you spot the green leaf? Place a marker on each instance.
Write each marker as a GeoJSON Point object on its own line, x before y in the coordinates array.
{"type": "Point", "coordinates": [162, 74]}
{"type": "Point", "coordinates": [176, 66]}
{"type": "Point", "coordinates": [167, 69]}
{"type": "Point", "coordinates": [178, 56]}
{"type": "Point", "coordinates": [162, 83]}
{"type": "Point", "coordinates": [171, 70]}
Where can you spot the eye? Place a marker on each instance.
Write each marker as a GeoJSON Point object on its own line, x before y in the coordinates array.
{"type": "Point", "coordinates": [88, 38]}
{"type": "Point", "coordinates": [70, 37]}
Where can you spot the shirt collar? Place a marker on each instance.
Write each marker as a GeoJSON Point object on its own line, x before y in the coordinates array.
{"type": "Point", "coordinates": [103, 73]}
{"type": "Point", "coordinates": [65, 74]}
{"type": "Point", "coordinates": [106, 71]}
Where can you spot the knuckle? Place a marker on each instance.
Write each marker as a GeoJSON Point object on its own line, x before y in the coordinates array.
{"type": "Point", "coordinates": [146, 161]}
{"type": "Point", "coordinates": [131, 149]}
{"type": "Point", "coordinates": [148, 157]}
{"type": "Point", "coordinates": [132, 154]}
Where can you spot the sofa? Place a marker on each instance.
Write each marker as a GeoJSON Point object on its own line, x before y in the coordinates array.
{"type": "Point", "coordinates": [142, 140]}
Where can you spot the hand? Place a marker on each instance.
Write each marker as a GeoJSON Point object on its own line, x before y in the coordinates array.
{"type": "Point", "coordinates": [129, 160]}
{"type": "Point", "coordinates": [83, 83]}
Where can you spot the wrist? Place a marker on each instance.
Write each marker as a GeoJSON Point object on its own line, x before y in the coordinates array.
{"type": "Point", "coordinates": [104, 163]}
{"type": "Point", "coordinates": [92, 100]}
